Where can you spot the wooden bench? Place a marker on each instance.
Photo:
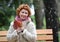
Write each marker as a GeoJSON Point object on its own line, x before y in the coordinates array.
{"type": "Point", "coordinates": [42, 34]}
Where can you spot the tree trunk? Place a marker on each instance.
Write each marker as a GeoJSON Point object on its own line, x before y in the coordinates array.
{"type": "Point", "coordinates": [38, 13]}
{"type": "Point", "coordinates": [51, 17]}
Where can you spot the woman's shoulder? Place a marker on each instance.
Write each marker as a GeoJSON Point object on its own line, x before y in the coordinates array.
{"type": "Point", "coordinates": [11, 23]}
{"type": "Point", "coordinates": [31, 23]}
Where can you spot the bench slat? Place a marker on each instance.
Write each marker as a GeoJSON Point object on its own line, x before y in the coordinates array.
{"type": "Point", "coordinates": [44, 31]}
{"type": "Point", "coordinates": [3, 33]}
{"type": "Point", "coordinates": [49, 41]}
{"type": "Point", "coordinates": [3, 39]}
{"type": "Point", "coordinates": [44, 37]}
{"type": "Point", "coordinates": [39, 31]}
{"type": "Point", "coordinates": [44, 41]}
{"type": "Point", "coordinates": [39, 37]}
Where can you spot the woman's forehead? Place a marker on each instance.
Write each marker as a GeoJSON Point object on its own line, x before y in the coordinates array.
{"type": "Point", "coordinates": [24, 10]}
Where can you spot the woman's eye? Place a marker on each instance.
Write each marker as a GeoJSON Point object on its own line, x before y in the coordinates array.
{"type": "Point", "coordinates": [25, 12]}
{"type": "Point", "coordinates": [22, 12]}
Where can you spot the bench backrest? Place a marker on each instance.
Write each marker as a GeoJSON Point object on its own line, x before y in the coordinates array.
{"type": "Point", "coordinates": [45, 34]}
{"type": "Point", "coordinates": [42, 34]}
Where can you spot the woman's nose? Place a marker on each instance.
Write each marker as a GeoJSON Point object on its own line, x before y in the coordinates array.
{"type": "Point", "coordinates": [24, 14]}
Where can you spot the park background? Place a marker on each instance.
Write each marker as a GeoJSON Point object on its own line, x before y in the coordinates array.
{"type": "Point", "coordinates": [8, 13]}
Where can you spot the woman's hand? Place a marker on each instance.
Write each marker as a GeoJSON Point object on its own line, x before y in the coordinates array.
{"type": "Point", "coordinates": [19, 30]}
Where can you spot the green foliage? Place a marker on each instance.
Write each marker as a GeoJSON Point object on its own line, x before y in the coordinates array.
{"type": "Point", "coordinates": [26, 1]}
{"type": "Point", "coordinates": [5, 15]}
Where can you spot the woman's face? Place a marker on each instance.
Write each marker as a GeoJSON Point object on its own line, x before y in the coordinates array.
{"type": "Point", "coordinates": [23, 14]}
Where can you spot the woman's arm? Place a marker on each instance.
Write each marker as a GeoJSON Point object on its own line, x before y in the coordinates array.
{"type": "Point", "coordinates": [31, 34]}
{"type": "Point", "coordinates": [12, 34]}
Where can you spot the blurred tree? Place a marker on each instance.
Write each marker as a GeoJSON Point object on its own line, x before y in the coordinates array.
{"type": "Point", "coordinates": [26, 2]}
{"type": "Point", "coordinates": [51, 17]}
{"type": "Point", "coordinates": [38, 13]}
{"type": "Point", "coordinates": [6, 11]}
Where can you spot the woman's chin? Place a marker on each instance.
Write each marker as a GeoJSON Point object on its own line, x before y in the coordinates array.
{"type": "Point", "coordinates": [23, 18]}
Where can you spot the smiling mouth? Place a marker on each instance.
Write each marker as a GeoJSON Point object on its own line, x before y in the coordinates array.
{"type": "Point", "coordinates": [23, 16]}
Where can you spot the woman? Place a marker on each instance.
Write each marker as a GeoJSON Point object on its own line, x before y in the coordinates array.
{"type": "Point", "coordinates": [22, 29]}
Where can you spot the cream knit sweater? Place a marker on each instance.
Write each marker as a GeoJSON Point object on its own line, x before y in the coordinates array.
{"type": "Point", "coordinates": [28, 35]}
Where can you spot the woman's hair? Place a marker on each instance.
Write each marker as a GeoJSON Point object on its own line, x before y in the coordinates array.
{"type": "Point", "coordinates": [23, 6]}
